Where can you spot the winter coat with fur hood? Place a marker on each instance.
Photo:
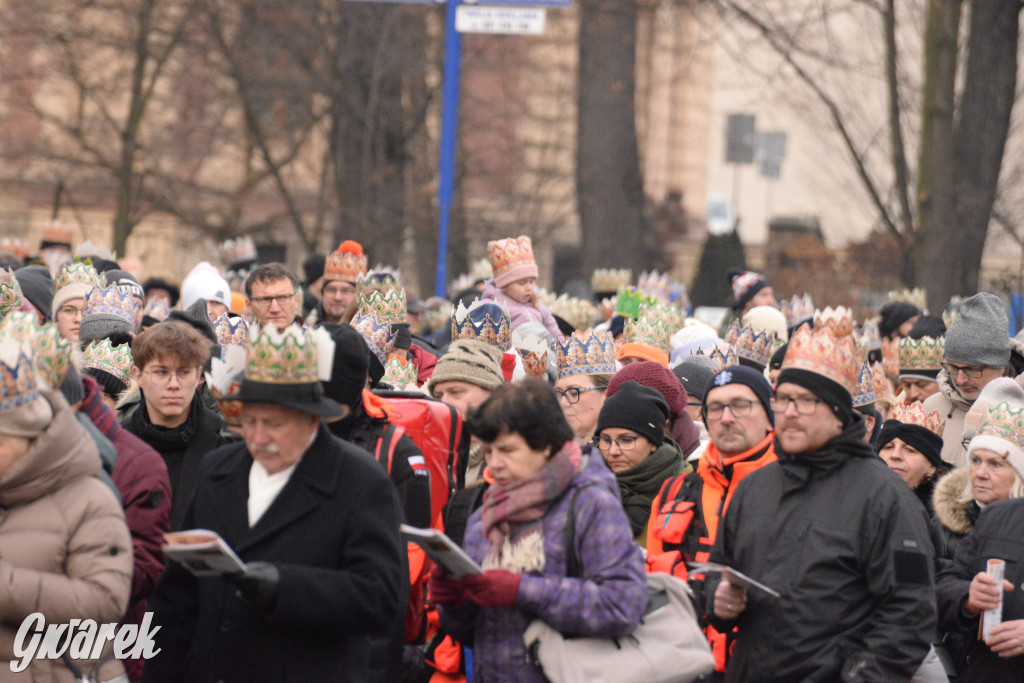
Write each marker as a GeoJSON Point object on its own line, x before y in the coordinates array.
{"type": "Point", "coordinates": [954, 519]}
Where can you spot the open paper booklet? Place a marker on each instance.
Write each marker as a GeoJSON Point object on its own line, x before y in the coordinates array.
{"type": "Point", "coordinates": [203, 552]}
{"type": "Point", "coordinates": [442, 550]}
{"type": "Point", "coordinates": [736, 578]}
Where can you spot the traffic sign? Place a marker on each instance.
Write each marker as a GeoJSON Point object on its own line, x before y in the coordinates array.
{"type": "Point", "coordinates": [506, 20]}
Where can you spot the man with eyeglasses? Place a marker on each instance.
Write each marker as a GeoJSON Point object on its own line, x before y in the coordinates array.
{"type": "Point", "coordinates": [685, 515]}
{"type": "Point", "coordinates": [273, 295]}
{"type": "Point", "coordinates": [171, 417]}
{"type": "Point", "coordinates": [342, 269]}
{"type": "Point", "coordinates": [977, 351]}
{"type": "Point", "coordinates": [838, 535]}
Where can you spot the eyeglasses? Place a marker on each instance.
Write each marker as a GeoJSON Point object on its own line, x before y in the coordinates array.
{"type": "Point", "coordinates": [162, 376]}
{"type": "Point", "coordinates": [974, 372]}
{"type": "Point", "coordinates": [572, 394]}
{"type": "Point", "coordinates": [805, 405]}
{"type": "Point", "coordinates": [70, 311]}
{"type": "Point", "coordinates": [738, 408]}
{"type": "Point", "coordinates": [625, 443]}
{"type": "Point", "coordinates": [265, 301]}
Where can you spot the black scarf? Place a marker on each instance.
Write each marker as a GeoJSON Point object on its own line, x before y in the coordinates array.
{"type": "Point", "coordinates": [849, 443]}
{"type": "Point", "coordinates": [640, 484]}
{"type": "Point", "coordinates": [165, 438]}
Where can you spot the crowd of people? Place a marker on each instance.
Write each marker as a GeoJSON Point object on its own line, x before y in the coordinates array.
{"type": "Point", "coordinates": [864, 476]}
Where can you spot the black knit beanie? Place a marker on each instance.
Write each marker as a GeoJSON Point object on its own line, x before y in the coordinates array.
{"type": "Point", "coordinates": [895, 314]}
{"type": "Point", "coordinates": [925, 441]}
{"type": "Point", "coordinates": [748, 377]}
{"type": "Point", "coordinates": [637, 408]}
{"type": "Point", "coordinates": [928, 326]}
{"type": "Point", "coordinates": [37, 286]}
{"type": "Point", "coordinates": [109, 384]}
{"type": "Point", "coordinates": [196, 316]}
{"type": "Point", "coordinates": [832, 393]}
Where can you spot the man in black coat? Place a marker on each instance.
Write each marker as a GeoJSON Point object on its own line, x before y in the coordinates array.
{"type": "Point", "coordinates": [834, 531]}
{"type": "Point", "coordinates": [316, 522]}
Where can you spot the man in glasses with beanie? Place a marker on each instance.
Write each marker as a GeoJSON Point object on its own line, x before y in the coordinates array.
{"type": "Point", "coordinates": [685, 515]}
{"type": "Point", "coordinates": [830, 528]}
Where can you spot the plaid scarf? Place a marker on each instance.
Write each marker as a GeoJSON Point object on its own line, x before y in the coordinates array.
{"type": "Point", "coordinates": [515, 510]}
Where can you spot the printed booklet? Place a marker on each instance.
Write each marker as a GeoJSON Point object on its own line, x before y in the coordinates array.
{"type": "Point", "coordinates": [442, 550]}
{"type": "Point", "coordinates": [736, 578]}
{"type": "Point", "coordinates": [203, 552]}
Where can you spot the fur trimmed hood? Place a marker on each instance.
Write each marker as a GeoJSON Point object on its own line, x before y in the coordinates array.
{"type": "Point", "coordinates": [950, 512]}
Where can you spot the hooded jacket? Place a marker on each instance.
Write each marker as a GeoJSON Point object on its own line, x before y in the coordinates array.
{"type": "Point", "coordinates": [952, 406]}
{"type": "Point", "coordinates": [955, 519]}
{"type": "Point", "coordinates": [522, 313]}
{"type": "Point", "coordinates": [64, 547]}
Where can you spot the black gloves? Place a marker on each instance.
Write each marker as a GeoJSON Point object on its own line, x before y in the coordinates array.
{"type": "Point", "coordinates": [257, 585]}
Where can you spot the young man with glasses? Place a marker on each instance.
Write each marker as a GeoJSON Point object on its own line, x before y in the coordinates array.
{"type": "Point", "coordinates": [685, 515]}
{"type": "Point", "coordinates": [977, 351]}
{"type": "Point", "coordinates": [342, 268]}
{"type": "Point", "coordinates": [171, 418]}
{"type": "Point", "coordinates": [273, 295]}
{"type": "Point", "coordinates": [838, 535]}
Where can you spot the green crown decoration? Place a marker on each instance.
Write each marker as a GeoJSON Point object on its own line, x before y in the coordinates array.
{"type": "Point", "coordinates": [111, 359]}
{"type": "Point", "coordinates": [387, 305]}
{"type": "Point", "coordinates": [628, 301]}
{"type": "Point", "coordinates": [282, 357]}
{"type": "Point", "coordinates": [649, 332]}
{"type": "Point", "coordinates": [11, 298]}
{"type": "Point", "coordinates": [670, 314]}
{"type": "Point", "coordinates": [1005, 422]}
{"type": "Point", "coordinates": [921, 354]}
{"type": "Point", "coordinates": [76, 274]}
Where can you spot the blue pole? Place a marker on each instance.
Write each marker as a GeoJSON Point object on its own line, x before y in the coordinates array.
{"type": "Point", "coordinates": [449, 133]}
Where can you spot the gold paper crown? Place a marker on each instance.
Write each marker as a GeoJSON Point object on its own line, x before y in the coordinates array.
{"type": "Point", "coordinates": [18, 384]}
{"type": "Point", "coordinates": [114, 360]}
{"type": "Point", "coordinates": [509, 254]}
{"type": "Point", "coordinates": [379, 335]}
{"type": "Point", "coordinates": [951, 311]}
{"type": "Point", "coordinates": [883, 390]}
{"type": "Point", "coordinates": [535, 363]}
{"type": "Point", "coordinates": [670, 314]}
{"type": "Point", "coordinates": [76, 274]}
{"type": "Point", "coordinates": [838, 319]}
{"type": "Point", "coordinates": [11, 299]}
{"type": "Point", "coordinates": [437, 317]}
{"type": "Point", "coordinates": [286, 357]}
{"type": "Point", "coordinates": [916, 296]}
{"type": "Point", "coordinates": [231, 332]}
{"type": "Point", "coordinates": [754, 345]}
{"type": "Point", "coordinates": [111, 301]}
{"type": "Point", "coordinates": [483, 320]}
{"type": "Point", "coordinates": [611, 279]}
{"type": "Point", "coordinates": [915, 414]}
{"type": "Point", "coordinates": [42, 344]}
{"type": "Point", "coordinates": [864, 393]}
{"type": "Point", "coordinates": [891, 357]}
{"type": "Point", "coordinates": [382, 277]}
{"type": "Point", "coordinates": [921, 354]}
{"type": "Point", "coordinates": [17, 246]}
{"type": "Point", "coordinates": [400, 373]}
{"type": "Point", "coordinates": [238, 251]}
{"type": "Point", "coordinates": [820, 352]}
{"type": "Point", "coordinates": [157, 309]}
{"type": "Point", "coordinates": [1005, 422]}
{"type": "Point", "coordinates": [579, 313]}
{"type": "Point", "coordinates": [869, 336]}
{"type": "Point", "coordinates": [56, 233]}
{"type": "Point", "coordinates": [798, 310]}
{"type": "Point", "coordinates": [721, 359]}
{"type": "Point", "coordinates": [586, 353]}
{"type": "Point", "coordinates": [649, 332]}
{"type": "Point", "coordinates": [606, 307]}
{"type": "Point", "coordinates": [225, 379]}
{"type": "Point", "coordinates": [389, 306]}
{"type": "Point", "coordinates": [654, 284]}
{"type": "Point", "coordinates": [346, 263]}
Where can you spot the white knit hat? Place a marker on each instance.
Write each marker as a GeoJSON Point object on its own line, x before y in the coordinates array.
{"type": "Point", "coordinates": [207, 284]}
{"type": "Point", "coordinates": [1002, 431]}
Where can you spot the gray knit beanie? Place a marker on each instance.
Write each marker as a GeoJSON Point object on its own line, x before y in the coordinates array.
{"type": "Point", "coordinates": [469, 360]}
{"type": "Point", "coordinates": [695, 373]}
{"type": "Point", "coordinates": [980, 334]}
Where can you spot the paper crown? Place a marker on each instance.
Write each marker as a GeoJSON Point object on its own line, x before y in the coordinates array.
{"type": "Point", "coordinates": [76, 274]}
{"type": "Point", "coordinates": [157, 309]}
{"type": "Point", "coordinates": [798, 310]}
{"type": "Point", "coordinates": [42, 344]}
{"type": "Point", "coordinates": [388, 305]}
{"type": "Point", "coordinates": [346, 263]}
{"type": "Point", "coordinates": [509, 254]}
{"type": "Point", "coordinates": [379, 334]}
{"type": "Point", "coordinates": [1004, 421]}
{"type": "Point", "coordinates": [820, 352]}
{"type": "Point", "coordinates": [111, 301]}
{"type": "Point", "coordinates": [754, 345]}
{"type": "Point", "coordinates": [579, 313]}
{"type": "Point", "coordinates": [18, 383]}
{"type": "Point", "coordinates": [225, 379]}
{"type": "Point", "coordinates": [721, 358]}
{"type": "Point", "coordinates": [951, 311]}
{"type": "Point", "coordinates": [11, 298]}
{"type": "Point", "coordinates": [17, 246]}
{"type": "Point", "coordinates": [231, 332]}
{"type": "Point", "coordinates": [670, 314]}
{"type": "Point", "coordinates": [654, 284]}
{"type": "Point", "coordinates": [400, 373]}
{"type": "Point", "coordinates": [883, 390]}
{"type": "Point", "coordinates": [381, 276]}
{"type": "Point", "coordinates": [586, 353]}
{"type": "Point", "coordinates": [916, 296]}
{"type": "Point", "coordinates": [915, 414]}
{"type": "Point", "coordinates": [611, 279]}
{"type": "Point", "coordinates": [483, 320]}
{"type": "Point", "coordinates": [435, 318]}
{"type": "Point", "coordinates": [56, 233]}
{"type": "Point", "coordinates": [285, 357]}
{"type": "Point", "coordinates": [864, 393]}
{"type": "Point", "coordinates": [113, 360]}
{"type": "Point", "coordinates": [870, 338]}
{"type": "Point", "coordinates": [535, 362]}
{"type": "Point", "coordinates": [838, 319]}
{"type": "Point", "coordinates": [628, 301]}
{"type": "Point", "coordinates": [891, 357]}
{"type": "Point", "coordinates": [238, 252]}
{"type": "Point", "coordinates": [606, 307]}
{"type": "Point", "coordinates": [921, 354]}
{"type": "Point", "coordinates": [649, 332]}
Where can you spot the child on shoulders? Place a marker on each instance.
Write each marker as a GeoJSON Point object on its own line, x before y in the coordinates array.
{"type": "Point", "coordinates": [514, 282]}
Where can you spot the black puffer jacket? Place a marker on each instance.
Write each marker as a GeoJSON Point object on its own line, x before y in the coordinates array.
{"type": "Point", "coordinates": [997, 534]}
{"type": "Point", "coordinates": [846, 544]}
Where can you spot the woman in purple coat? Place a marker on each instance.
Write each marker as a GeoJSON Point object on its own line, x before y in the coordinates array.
{"type": "Point", "coordinates": [518, 537]}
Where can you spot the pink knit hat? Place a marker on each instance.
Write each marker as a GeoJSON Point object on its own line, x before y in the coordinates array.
{"type": "Point", "coordinates": [511, 260]}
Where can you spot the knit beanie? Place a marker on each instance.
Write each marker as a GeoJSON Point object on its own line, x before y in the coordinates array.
{"type": "Point", "coordinates": [832, 393]}
{"type": "Point", "coordinates": [1000, 432]}
{"type": "Point", "coordinates": [922, 439]}
{"type": "Point", "coordinates": [999, 390]}
{"type": "Point", "coordinates": [894, 314]}
{"type": "Point", "coordinates": [695, 373]}
{"type": "Point", "coordinates": [748, 377]}
{"type": "Point", "coordinates": [980, 334]}
{"type": "Point", "coordinates": [160, 283]}
{"type": "Point", "coordinates": [775, 362]}
{"type": "Point", "coordinates": [766, 319]}
{"type": "Point", "coordinates": [637, 408]}
{"type": "Point", "coordinates": [109, 384]}
{"type": "Point", "coordinates": [469, 360]}
{"type": "Point", "coordinates": [27, 421]}
{"type": "Point", "coordinates": [71, 388]}
{"type": "Point", "coordinates": [928, 326]}
{"type": "Point", "coordinates": [103, 322]}
{"type": "Point", "coordinates": [745, 284]}
{"type": "Point", "coordinates": [196, 316]}
{"type": "Point", "coordinates": [313, 267]}
{"type": "Point", "coordinates": [126, 282]}
{"type": "Point", "coordinates": [351, 364]}
{"type": "Point", "coordinates": [655, 376]}
{"type": "Point", "coordinates": [205, 283]}
{"type": "Point", "coordinates": [37, 286]}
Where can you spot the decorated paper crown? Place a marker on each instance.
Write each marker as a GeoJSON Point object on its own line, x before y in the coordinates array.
{"type": "Point", "coordinates": [891, 357]}
{"type": "Point", "coordinates": [670, 314]}
{"type": "Point", "coordinates": [611, 279]}
{"type": "Point", "coordinates": [921, 354]}
{"type": "Point", "coordinates": [820, 352]}
{"type": "Point", "coordinates": [952, 310]}
{"type": "Point", "coordinates": [864, 393]}
{"type": "Point", "coordinates": [798, 310]}
{"type": "Point", "coordinates": [283, 357]}
{"type": "Point", "coordinates": [346, 263]}
{"type": "Point", "coordinates": [654, 284]}
{"type": "Point", "coordinates": [628, 301]}
{"type": "Point", "coordinates": [481, 270]}
{"type": "Point", "coordinates": [544, 296]}
{"type": "Point", "coordinates": [111, 301]}
{"type": "Point", "coordinates": [883, 390]}
{"type": "Point", "coordinates": [89, 249]}
{"type": "Point", "coordinates": [586, 353]}
{"type": "Point", "coordinates": [436, 318]}
{"type": "Point", "coordinates": [483, 320]}
{"type": "Point", "coordinates": [379, 334]}
{"type": "Point", "coordinates": [56, 234]}
{"type": "Point", "coordinates": [389, 305]}
{"type": "Point", "coordinates": [113, 360]}
{"type": "Point", "coordinates": [400, 373]}
{"type": "Point", "coordinates": [579, 313]}
{"type": "Point", "coordinates": [11, 298]}
{"type": "Point", "coordinates": [870, 338]}
{"type": "Point", "coordinates": [721, 359]}
{"type": "Point", "coordinates": [916, 296]}
{"type": "Point", "coordinates": [384, 277]}
{"type": "Point", "coordinates": [606, 307]}
{"type": "Point", "coordinates": [510, 254]}
{"type": "Point", "coordinates": [915, 414]}
{"type": "Point", "coordinates": [838, 319]}
{"type": "Point", "coordinates": [754, 345]}
{"type": "Point", "coordinates": [649, 332]}
{"type": "Point", "coordinates": [18, 383]}
{"type": "Point", "coordinates": [76, 274]}
{"type": "Point", "coordinates": [231, 332]}
{"type": "Point", "coordinates": [225, 379]}
{"type": "Point", "coordinates": [49, 352]}
{"type": "Point", "coordinates": [157, 309]}
{"type": "Point", "coordinates": [17, 246]}
{"type": "Point", "coordinates": [238, 252]}
{"type": "Point", "coordinates": [1004, 421]}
